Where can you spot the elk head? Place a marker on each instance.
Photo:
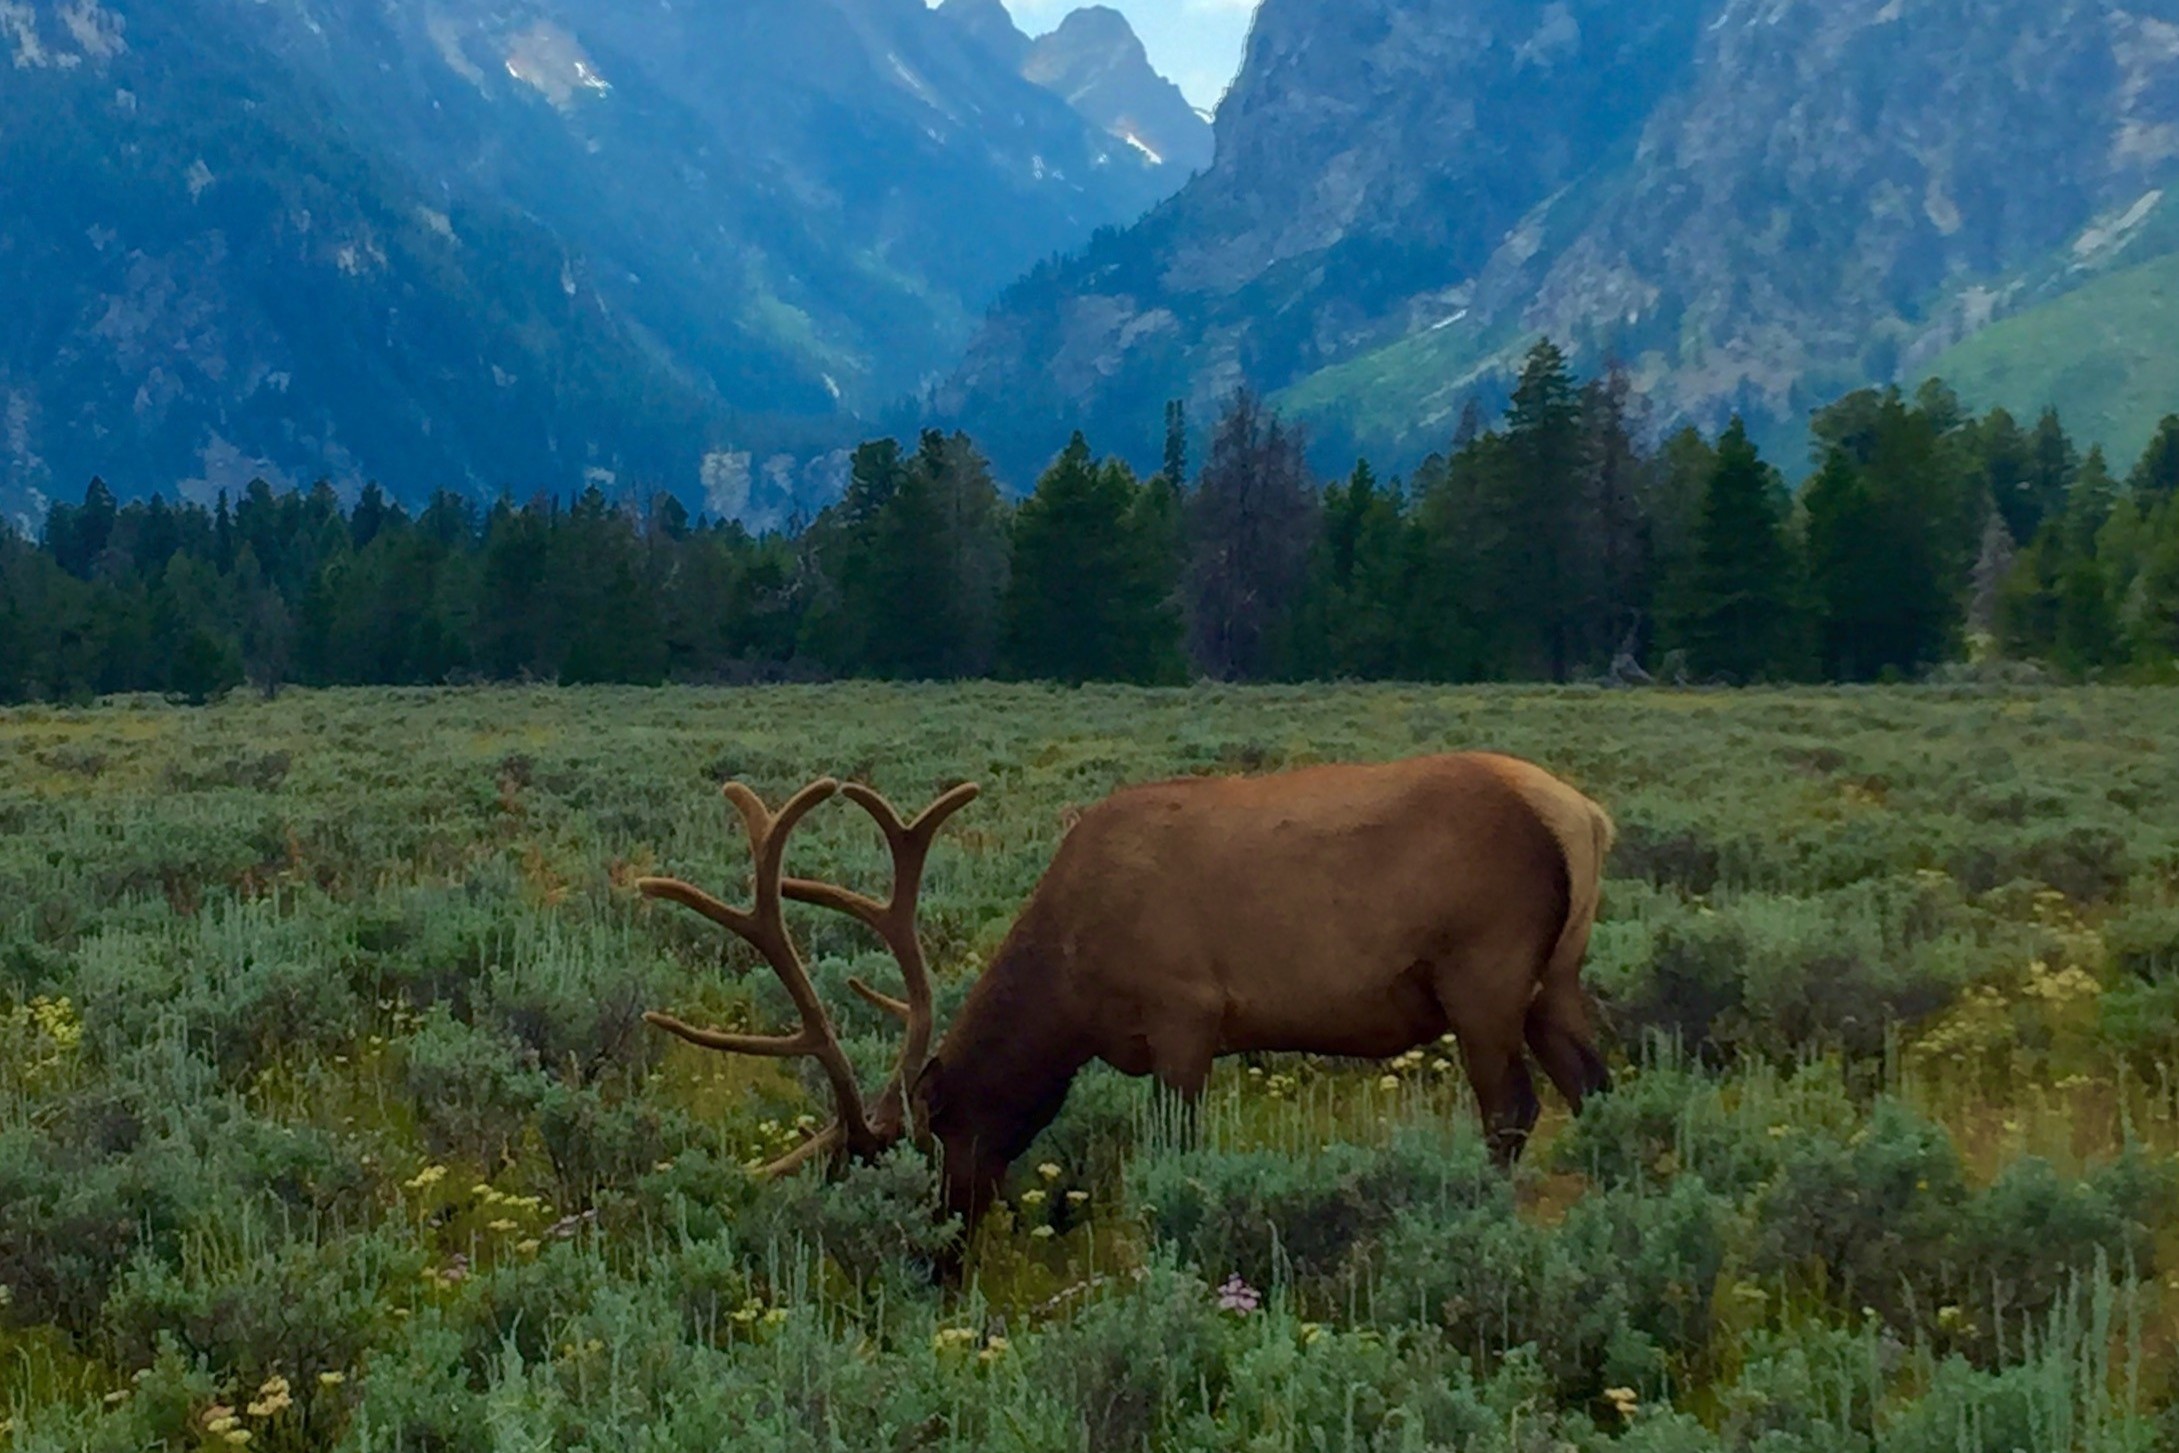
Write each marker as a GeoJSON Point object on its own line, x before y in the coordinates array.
{"type": "Point", "coordinates": [861, 1129]}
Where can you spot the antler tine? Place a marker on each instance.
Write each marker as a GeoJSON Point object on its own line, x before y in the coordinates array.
{"type": "Point", "coordinates": [765, 929]}
{"type": "Point", "coordinates": [768, 836]}
{"type": "Point", "coordinates": [894, 921]}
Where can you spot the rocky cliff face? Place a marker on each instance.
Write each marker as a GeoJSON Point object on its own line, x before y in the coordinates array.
{"type": "Point", "coordinates": [510, 243]}
{"type": "Point", "coordinates": [1755, 202]}
{"type": "Point", "coordinates": [1097, 64]}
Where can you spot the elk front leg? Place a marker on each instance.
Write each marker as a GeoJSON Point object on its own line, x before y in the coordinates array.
{"type": "Point", "coordinates": [1181, 1061]}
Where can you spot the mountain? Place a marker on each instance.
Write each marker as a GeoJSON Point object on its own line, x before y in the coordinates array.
{"type": "Point", "coordinates": [1097, 63]}
{"type": "Point", "coordinates": [521, 243]}
{"type": "Point", "coordinates": [992, 25]}
{"type": "Point", "coordinates": [1756, 204]}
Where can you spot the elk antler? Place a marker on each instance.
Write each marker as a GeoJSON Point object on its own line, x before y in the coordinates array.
{"type": "Point", "coordinates": [764, 928]}
{"type": "Point", "coordinates": [894, 921]}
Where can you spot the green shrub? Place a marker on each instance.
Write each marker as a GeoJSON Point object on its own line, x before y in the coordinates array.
{"type": "Point", "coordinates": [1268, 1215]}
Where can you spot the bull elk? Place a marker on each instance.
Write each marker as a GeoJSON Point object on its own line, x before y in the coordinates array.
{"type": "Point", "coordinates": [1357, 911]}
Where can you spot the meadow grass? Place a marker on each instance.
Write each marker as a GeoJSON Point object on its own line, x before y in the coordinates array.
{"type": "Point", "coordinates": [328, 1117]}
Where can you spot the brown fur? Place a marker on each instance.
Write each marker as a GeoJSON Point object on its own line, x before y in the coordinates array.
{"type": "Point", "coordinates": [1341, 910]}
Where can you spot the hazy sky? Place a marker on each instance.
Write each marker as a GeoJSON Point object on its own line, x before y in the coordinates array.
{"type": "Point", "coordinates": [1196, 42]}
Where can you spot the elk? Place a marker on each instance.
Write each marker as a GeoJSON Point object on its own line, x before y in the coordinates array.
{"type": "Point", "coordinates": [1352, 911]}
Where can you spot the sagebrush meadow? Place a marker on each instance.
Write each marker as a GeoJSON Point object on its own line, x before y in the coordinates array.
{"type": "Point", "coordinates": [329, 1117]}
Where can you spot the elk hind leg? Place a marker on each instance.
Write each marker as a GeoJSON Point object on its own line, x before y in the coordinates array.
{"type": "Point", "coordinates": [1505, 1094]}
{"type": "Point", "coordinates": [1485, 1012]}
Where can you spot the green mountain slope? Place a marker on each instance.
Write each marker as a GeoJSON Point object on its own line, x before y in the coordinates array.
{"type": "Point", "coordinates": [2106, 356]}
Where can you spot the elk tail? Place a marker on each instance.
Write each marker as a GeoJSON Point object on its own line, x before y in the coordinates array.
{"type": "Point", "coordinates": [1561, 1023]}
{"type": "Point", "coordinates": [1588, 847]}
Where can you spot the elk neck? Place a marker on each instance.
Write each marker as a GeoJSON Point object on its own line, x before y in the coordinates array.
{"type": "Point", "coordinates": [1015, 1048]}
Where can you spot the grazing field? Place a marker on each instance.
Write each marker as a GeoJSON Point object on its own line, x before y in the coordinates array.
{"type": "Point", "coordinates": [328, 1117]}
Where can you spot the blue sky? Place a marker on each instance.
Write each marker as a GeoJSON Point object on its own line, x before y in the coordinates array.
{"type": "Point", "coordinates": [1196, 42]}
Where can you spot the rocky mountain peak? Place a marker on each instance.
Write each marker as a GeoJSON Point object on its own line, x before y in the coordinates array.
{"type": "Point", "coordinates": [992, 25]}
{"type": "Point", "coordinates": [1098, 63]}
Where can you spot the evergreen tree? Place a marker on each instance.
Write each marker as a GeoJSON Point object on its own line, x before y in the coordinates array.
{"type": "Point", "coordinates": [371, 515]}
{"type": "Point", "coordinates": [511, 592]}
{"type": "Point", "coordinates": [975, 549]}
{"type": "Point", "coordinates": [1349, 623]}
{"type": "Point", "coordinates": [1613, 524]}
{"type": "Point", "coordinates": [2154, 647]}
{"type": "Point", "coordinates": [1175, 470]}
{"type": "Point", "coordinates": [1543, 588]}
{"type": "Point", "coordinates": [1890, 556]}
{"type": "Point", "coordinates": [2052, 464]}
{"type": "Point", "coordinates": [2005, 454]}
{"type": "Point", "coordinates": [1846, 568]}
{"type": "Point", "coordinates": [76, 537]}
{"type": "Point", "coordinates": [2088, 626]}
{"type": "Point", "coordinates": [1680, 482]}
{"type": "Point", "coordinates": [1452, 632]}
{"type": "Point", "coordinates": [909, 611]}
{"type": "Point", "coordinates": [2058, 605]}
{"type": "Point", "coordinates": [1087, 600]}
{"type": "Point", "coordinates": [1740, 622]}
{"type": "Point", "coordinates": [2156, 478]}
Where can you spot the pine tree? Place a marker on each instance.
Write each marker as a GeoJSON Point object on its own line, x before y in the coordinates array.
{"type": "Point", "coordinates": [1544, 588]}
{"type": "Point", "coordinates": [1680, 482]}
{"type": "Point", "coordinates": [2156, 478]}
{"type": "Point", "coordinates": [1613, 526]}
{"type": "Point", "coordinates": [1846, 568]}
{"type": "Point", "coordinates": [1175, 470]}
{"type": "Point", "coordinates": [1362, 582]}
{"type": "Point", "coordinates": [974, 548]}
{"type": "Point", "coordinates": [2053, 463]}
{"type": "Point", "coordinates": [1740, 621]}
{"type": "Point", "coordinates": [1890, 557]}
{"type": "Point", "coordinates": [910, 609]}
{"type": "Point", "coordinates": [1452, 621]}
{"type": "Point", "coordinates": [2006, 458]}
{"type": "Point", "coordinates": [1086, 600]}
{"type": "Point", "coordinates": [2059, 604]}
{"type": "Point", "coordinates": [2155, 635]}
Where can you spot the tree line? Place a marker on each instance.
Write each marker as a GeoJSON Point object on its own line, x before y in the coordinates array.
{"type": "Point", "coordinates": [1556, 543]}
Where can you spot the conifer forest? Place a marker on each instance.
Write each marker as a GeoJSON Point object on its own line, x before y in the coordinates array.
{"type": "Point", "coordinates": [1559, 543]}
